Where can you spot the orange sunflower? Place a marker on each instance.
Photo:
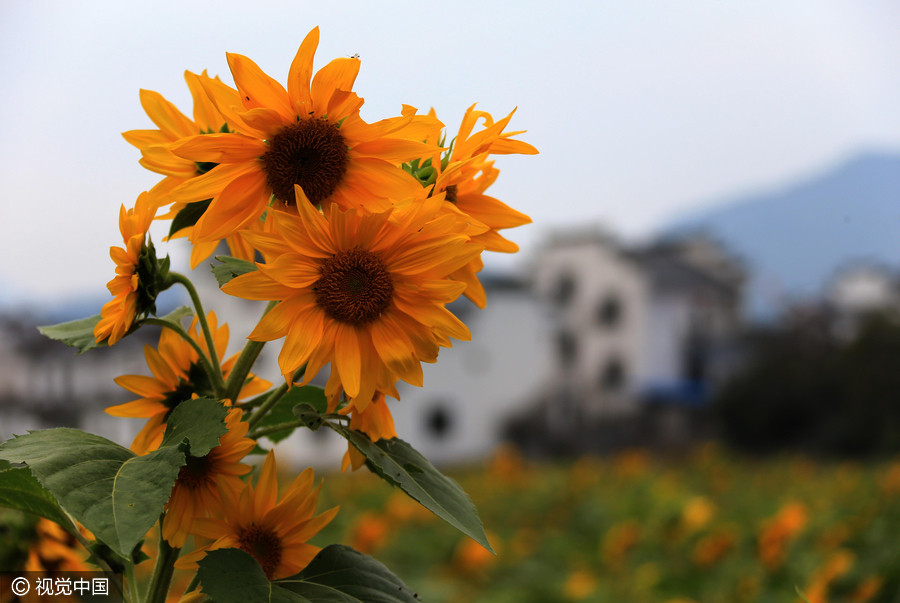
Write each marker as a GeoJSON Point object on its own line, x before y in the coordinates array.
{"type": "Point", "coordinates": [274, 533]}
{"type": "Point", "coordinates": [310, 134]}
{"type": "Point", "coordinates": [177, 376]}
{"type": "Point", "coordinates": [136, 284]}
{"type": "Point", "coordinates": [196, 492]}
{"type": "Point", "coordinates": [364, 292]}
{"type": "Point", "coordinates": [173, 126]}
{"type": "Point", "coordinates": [56, 550]}
{"type": "Point", "coordinates": [465, 175]}
{"type": "Point", "coordinates": [375, 421]}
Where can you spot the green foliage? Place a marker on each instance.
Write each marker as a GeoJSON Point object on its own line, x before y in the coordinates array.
{"type": "Point", "coordinates": [20, 490]}
{"type": "Point", "coordinates": [230, 267]}
{"type": "Point", "coordinates": [199, 423]}
{"type": "Point", "coordinates": [188, 216]}
{"type": "Point", "coordinates": [802, 388]}
{"type": "Point", "coordinates": [116, 495]}
{"type": "Point", "coordinates": [400, 465]}
{"type": "Point", "coordinates": [337, 574]}
{"type": "Point", "coordinates": [282, 412]}
{"type": "Point", "coordinates": [79, 333]}
{"type": "Point", "coordinates": [75, 333]}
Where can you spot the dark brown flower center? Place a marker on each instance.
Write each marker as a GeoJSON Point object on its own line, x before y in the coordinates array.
{"type": "Point", "coordinates": [311, 153]}
{"type": "Point", "coordinates": [355, 287]}
{"type": "Point", "coordinates": [264, 545]}
{"type": "Point", "coordinates": [450, 193]}
{"type": "Point", "coordinates": [196, 472]}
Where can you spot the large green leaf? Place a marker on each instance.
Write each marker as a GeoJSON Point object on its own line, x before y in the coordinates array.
{"type": "Point", "coordinates": [338, 574]}
{"type": "Point", "coordinates": [230, 267]}
{"type": "Point", "coordinates": [75, 333]}
{"type": "Point", "coordinates": [282, 412]}
{"type": "Point", "coordinates": [20, 490]}
{"type": "Point", "coordinates": [79, 333]}
{"type": "Point", "coordinates": [201, 422]}
{"type": "Point", "coordinates": [400, 465]}
{"type": "Point", "coordinates": [116, 495]}
{"type": "Point", "coordinates": [233, 576]}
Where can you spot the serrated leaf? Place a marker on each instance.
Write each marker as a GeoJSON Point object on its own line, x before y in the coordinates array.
{"type": "Point", "coordinates": [75, 333]}
{"type": "Point", "coordinates": [230, 267]}
{"type": "Point", "coordinates": [338, 574]}
{"type": "Point", "coordinates": [188, 215]}
{"type": "Point", "coordinates": [282, 412]}
{"type": "Point", "coordinates": [201, 421]}
{"type": "Point", "coordinates": [20, 490]}
{"type": "Point", "coordinates": [233, 576]}
{"type": "Point", "coordinates": [114, 493]}
{"type": "Point", "coordinates": [400, 465]}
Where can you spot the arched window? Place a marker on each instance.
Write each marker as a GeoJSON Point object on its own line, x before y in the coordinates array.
{"type": "Point", "coordinates": [439, 421]}
{"type": "Point", "coordinates": [610, 311]}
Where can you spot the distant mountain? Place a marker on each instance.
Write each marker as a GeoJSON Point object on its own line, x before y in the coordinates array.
{"type": "Point", "coordinates": [795, 238]}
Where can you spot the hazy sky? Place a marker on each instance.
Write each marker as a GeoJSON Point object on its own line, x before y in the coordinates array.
{"type": "Point", "coordinates": [641, 110]}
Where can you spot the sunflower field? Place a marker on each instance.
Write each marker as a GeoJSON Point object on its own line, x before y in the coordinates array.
{"type": "Point", "coordinates": [706, 527]}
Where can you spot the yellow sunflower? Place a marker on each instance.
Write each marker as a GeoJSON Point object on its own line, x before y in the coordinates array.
{"type": "Point", "coordinates": [132, 296]}
{"type": "Point", "coordinates": [56, 550]}
{"type": "Point", "coordinates": [196, 491]}
{"type": "Point", "coordinates": [375, 421]}
{"type": "Point", "coordinates": [310, 134]}
{"type": "Point", "coordinates": [173, 126]}
{"type": "Point", "coordinates": [177, 376]}
{"type": "Point", "coordinates": [365, 292]}
{"type": "Point", "coordinates": [274, 533]}
{"type": "Point", "coordinates": [465, 175]}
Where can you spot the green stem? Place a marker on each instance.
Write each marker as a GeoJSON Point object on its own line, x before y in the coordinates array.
{"type": "Point", "coordinates": [133, 594]}
{"type": "Point", "coordinates": [255, 435]}
{"type": "Point", "coordinates": [244, 363]}
{"type": "Point", "coordinates": [267, 405]}
{"type": "Point", "coordinates": [214, 377]}
{"type": "Point", "coordinates": [165, 567]}
{"type": "Point", "coordinates": [201, 318]}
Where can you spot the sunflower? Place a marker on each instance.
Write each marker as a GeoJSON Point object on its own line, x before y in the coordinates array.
{"type": "Point", "coordinates": [139, 277]}
{"type": "Point", "coordinates": [465, 174]}
{"type": "Point", "coordinates": [310, 134]}
{"type": "Point", "coordinates": [274, 533]}
{"type": "Point", "coordinates": [375, 421]}
{"type": "Point", "coordinates": [56, 550]}
{"type": "Point", "coordinates": [177, 376]}
{"type": "Point", "coordinates": [195, 493]}
{"type": "Point", "coordinates": [363, 291]}
{"type": "Point", "coordinates": [173, 126]}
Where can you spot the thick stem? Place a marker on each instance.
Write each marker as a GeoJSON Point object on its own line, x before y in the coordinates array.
{"type": "Point", "coordinates": [162, 573]}
{"type": "Point", "coordinates": [133, 594]}
{"type": "Point", "coordinates": [244, 363]}
{"type": "Point", "coordinates": [267, 405]}
{"type": "Point", "coordinates": [201, 318]}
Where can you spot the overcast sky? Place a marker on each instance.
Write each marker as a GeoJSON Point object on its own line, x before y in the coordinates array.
{"type": "Point", "coordinates": [641, 110]}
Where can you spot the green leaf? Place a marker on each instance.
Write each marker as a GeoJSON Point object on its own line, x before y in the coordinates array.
{"type": "Point", "coordinates": [231, 575]}
{"type": "Point", "coordinates": [282, 412]}
{"type": "Point", "coordinates": [400, 465]}
{"type": "Point", "coordinates": [116, 495]}
{"type": "Point", "coordinates": [75, 333]}
{"type": "Point", "coordinates": [188, 215]}
{"type": "Point", "coordinates": [177, 315]}
{"type": "Point", "coordinates": [338, 574]}
{"type": "Point", "coordinates": [20, 490]}
{"type": "Point", "coordinates": [230, 268]}
{"type": "Point", "coordinates": [201, 422]}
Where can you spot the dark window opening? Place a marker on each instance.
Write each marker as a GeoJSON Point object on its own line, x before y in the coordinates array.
{"type": "Point", "coordinates": [610, 311]}
{"type": "Point", "coordinates": [439, 422]}
{"type": "Point", "coordinates": [613, 376]}
{"type": "Point", "coordinates": [565, 289]}
{"type": "Point", "coordinates": [567, 347]}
